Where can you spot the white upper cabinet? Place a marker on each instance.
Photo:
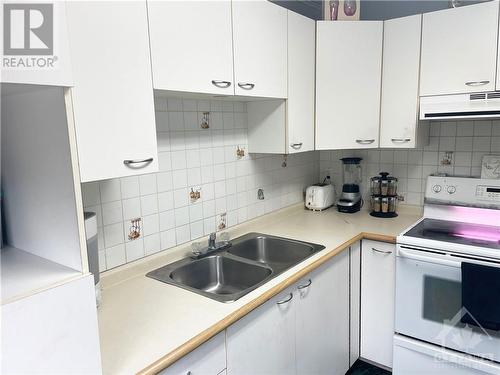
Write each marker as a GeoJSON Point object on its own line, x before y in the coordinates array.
{"type": "Point", "coordinates": [301, 70]}
{"type": "Point", "coordinates": [53, 69]}
{"type": "Point", "coordinates": [259, 42]}
{"type": "Point", "coordinates": [191, 46]}
{"type": "Point", "coordinates": [348, 78]}
{"type": "Point", "coordinates": [113, 94]}
{"type": "Point", "coordinates": [459, 50]}
{"type": "Point", "coordinates": [400, 75]}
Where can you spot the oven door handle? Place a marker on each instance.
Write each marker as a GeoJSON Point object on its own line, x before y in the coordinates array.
{"type": "Point", "coordinates": [430, 259]}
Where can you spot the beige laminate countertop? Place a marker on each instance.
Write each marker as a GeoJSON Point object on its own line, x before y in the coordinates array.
{"type": "Point", "coordinates": [145, 325]}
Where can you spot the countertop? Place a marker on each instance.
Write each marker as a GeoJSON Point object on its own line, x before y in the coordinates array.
{"type": "Point", "coordinates": [146, 325]}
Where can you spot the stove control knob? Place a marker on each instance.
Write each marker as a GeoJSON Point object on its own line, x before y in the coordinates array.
{"type": "Point", "coordinates": [436, 188]}
{"type": "Point", "coordinates": [451, 189]}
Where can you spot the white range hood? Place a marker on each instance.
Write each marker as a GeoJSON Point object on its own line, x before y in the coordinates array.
{"type": "Point", "coordinates": [463, 106]}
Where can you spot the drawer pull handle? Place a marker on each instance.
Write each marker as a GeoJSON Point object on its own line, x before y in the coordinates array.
{"type": "Point", "coordinates": [296, 146]}
{"type": "Point", "coordinates": [400, 140]}
{"type": "Point", "coordinates": [285, 300]}
{"type": "Point", "coordinates": [300, 287]}
{"type": "Point", "coordinates": [365, 141]}
{"type": "Point", "coordinates": [221, 84]}
{"type": "Point", "coordinates": [477, 83]}
{"type": "Point", "coordinates": [129, 162]}
{"type": "Point", "coordinates": [246, 86]}
{"type": "Point", "coordinates": [381, 251]}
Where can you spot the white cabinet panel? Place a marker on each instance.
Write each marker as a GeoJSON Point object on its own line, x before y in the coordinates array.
{"type": "Point", "coordinates": [400, 77]}
{"type": "Point", "coordinates": [323, 319]}
{"type": "Point", "coordinates": [113, 94]}
{"type": "Point", "coordinates": [57, 72]}
{"type": "Point", "coordinates": [301, 70]}
{"type": "Point", "coordinates": [348, 78]}
{"type": "Point", "coordinates": [459, 50]}
{"type": "Point", "coordinates": [208, 359]}
{"type": "Point", "coordinates": [355, 301]}
{"type": "Point", "coordinates": [497, 86]}
{"type": "Point", "coordinates": [263, 342]}
{"type": "Point", "coordinates": [52, 332]}
{"type": "Point", "coordinates": [191, 46]}
{"type": "Point", "coordinates": [377, 301]}
{"type": "Point", "coordinates": [259, 40]}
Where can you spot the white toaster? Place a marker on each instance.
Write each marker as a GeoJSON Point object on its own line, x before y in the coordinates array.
{"type": "Point", "coordinates": [320, 197]}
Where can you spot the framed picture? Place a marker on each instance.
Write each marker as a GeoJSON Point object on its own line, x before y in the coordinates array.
{"type": "Point", "coordinates": [490, 167]}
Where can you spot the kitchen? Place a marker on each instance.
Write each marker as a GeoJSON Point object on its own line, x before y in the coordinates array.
{"type": "Point", "coordinates": [182, 196]}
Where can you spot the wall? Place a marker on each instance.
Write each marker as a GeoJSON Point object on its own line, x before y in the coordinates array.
{"type": "Point", "coordinates": [468, 140]}
{"type": "Point", "coordinates": [193, 157]}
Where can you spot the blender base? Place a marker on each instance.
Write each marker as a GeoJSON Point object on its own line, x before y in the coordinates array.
{"type": "Point", "coordinates": [384, 214]}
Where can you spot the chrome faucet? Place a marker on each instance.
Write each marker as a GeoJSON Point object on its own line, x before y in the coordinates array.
{"type": "Point", "coordinates": [212, 246]}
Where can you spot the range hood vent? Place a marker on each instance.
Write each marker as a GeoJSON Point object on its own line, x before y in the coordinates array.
{"type": "Point", "coordinates": [464, 106]}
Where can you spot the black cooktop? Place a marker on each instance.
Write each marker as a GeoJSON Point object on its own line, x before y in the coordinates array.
{"type": "Point", "coordinates": [459, 233]}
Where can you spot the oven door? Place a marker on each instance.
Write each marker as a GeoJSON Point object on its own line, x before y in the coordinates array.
{"type": "Point", "coordinates": [429, 302]}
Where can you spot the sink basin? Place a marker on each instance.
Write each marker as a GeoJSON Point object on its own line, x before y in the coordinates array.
{"type": "Point", "coordinates": [229, 274]}
{"type": "Point", "coordinates": [217, 276]}
{"type": "Point", "coordinates": [278, 251]}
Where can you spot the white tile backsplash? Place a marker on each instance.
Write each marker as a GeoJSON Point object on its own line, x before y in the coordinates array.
{"type": "Point", "coordinates": [206, 160]}
{"type": "Point", "coordinates": [468, 141]}
{"type": "Point", "coordinates": [193, 157]}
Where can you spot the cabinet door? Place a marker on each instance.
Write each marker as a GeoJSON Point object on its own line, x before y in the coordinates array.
{"type": "Point", "coordinates": [52, 332]}
{"type": "Point", "coordinates": [348, 76]}
{"type": "Point", "coordinates": [113, 94]}
{"type": "Point", "coordinates": [497, 87]}
{"type": "Point", "coordinates": [263, 342]}
{"type": "Point", "coordinates": [355, 301]}
{"type": "Point", "coordinates": [259, 40]}
{"type": "Point", "coordinates": [56, 68]}
{"type": "Point", "coordinates": [323, 319]}
{"type": "Point", "coordinates": [191, 46]}
{"type": "Point", "coordinates": [459, 50]}
{"type": "Point", "coordinates": [377, 301]}
{"type": "Point", "coordinates": [400, 74]}
{"type": "Point", "coordinates": [301, 69]}
{"type": "Point", "coordinates": [208, 359]}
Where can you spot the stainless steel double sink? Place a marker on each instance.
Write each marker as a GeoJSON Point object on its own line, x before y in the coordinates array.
{"type": "Point", "coordinates": [227, 275]}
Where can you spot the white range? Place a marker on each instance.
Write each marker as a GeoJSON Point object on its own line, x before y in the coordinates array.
{"type": "Point", "coordinates": [447, 318]}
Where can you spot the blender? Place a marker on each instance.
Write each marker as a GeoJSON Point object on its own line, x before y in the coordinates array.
{"type": "Point", "coordinates": [350, 199]}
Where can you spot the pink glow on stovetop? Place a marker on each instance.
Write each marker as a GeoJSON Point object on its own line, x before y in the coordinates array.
{"type": "Point", "coordinates": [477, 215]}
{"type": "Point", "coordinates": [479, 234]}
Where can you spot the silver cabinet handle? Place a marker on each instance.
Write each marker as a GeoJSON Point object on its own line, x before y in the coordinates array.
{"type": "Point", "coordinates": [129, 161]}
{"type": "Point", "coordinates": [477, 83]}
{"type": "Point", "coordinates": [305, 286]}
{"type": "Point", "coordinates": [381, 251]}
{"type": "Point", "coordinates": [400, 140]}
{"type": "Point", "coordinates": [221, 84]}
{"type": "Point", "coordinates": [296, 146]}
{"type": "Point", "coordinates": [365, 141]}
{"type": "Point", "coordinates": [246, 86]}
{"type": "Point", "coordinates": [285, 300]}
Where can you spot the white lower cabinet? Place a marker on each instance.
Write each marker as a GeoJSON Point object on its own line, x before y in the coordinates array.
{"type": "Point", "coordinates": [263, 342]}
{"type": "Point", "coordinates": [52, 332]}
{"type": "Point", "coordinates": [304, 330]}
{"type": "Point", "coordinates": [208, 359]}
{"type": "Point", "coordinates": [323, 319]}
{"type": "Point", "coordinates": [378, 267]}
